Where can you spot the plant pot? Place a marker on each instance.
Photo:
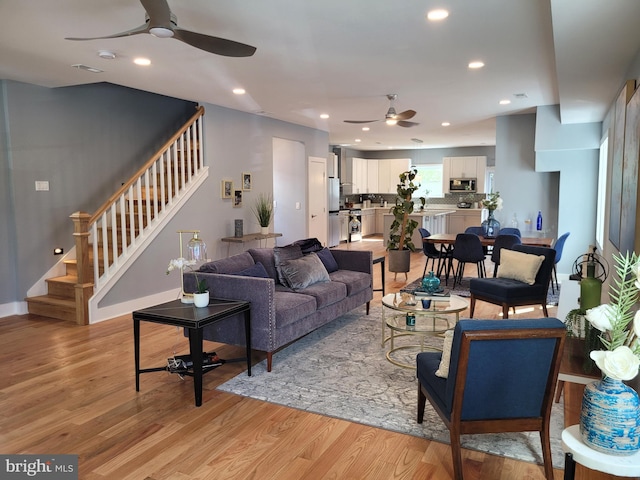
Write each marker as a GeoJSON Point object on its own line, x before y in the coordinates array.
{"type": "Point", "coordinates": [264, 230]}
{"type": "Point", "coordinates": [399, 261]}
{"type": "Point", "coordinates": [201, 299]}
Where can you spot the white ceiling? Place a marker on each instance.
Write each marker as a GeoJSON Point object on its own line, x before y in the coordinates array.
{"type": "Point", "coordinates": [342, 56]}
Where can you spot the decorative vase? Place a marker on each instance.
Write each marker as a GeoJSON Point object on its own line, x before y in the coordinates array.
{"type": "Point", "coordinates": [610, 417]}
{"type": "Point", "coordinates": [264, 230]}
{"type": "Point", "coordinates": [491, 226]}
{"type": "Point", "coordinates": [201, 299]}
{"type": "Point", "coordinates": [430, 283]}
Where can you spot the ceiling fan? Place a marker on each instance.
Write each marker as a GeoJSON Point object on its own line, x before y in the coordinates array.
{"type": "Point", "coordinates": [161, 22]}
{"type": "Point", "coordinates": [393, 118]}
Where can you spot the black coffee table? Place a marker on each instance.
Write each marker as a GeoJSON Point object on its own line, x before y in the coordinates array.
{"type": "Point", "coordinates": [180, 314]}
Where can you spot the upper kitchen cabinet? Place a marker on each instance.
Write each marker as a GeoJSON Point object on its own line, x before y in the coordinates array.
{"type": "Point", "coordinates": [360, 175]}
{"type": "Point", "coordinates": [464, 167]}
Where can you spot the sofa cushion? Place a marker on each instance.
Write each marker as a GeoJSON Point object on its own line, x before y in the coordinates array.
{"type": "Point", "coordinates": [519, 266]}
{"type": "Point", "coordinates": [303, 272]}
{"type": "Point", "coordinates": [292, 306]}
{"type": "Point", "coordinates": [281, 255]}
{"type": "Point", "coordinates": [232, 264]}
{"type": "Point", "coordinates": [355, 281]}
{"type": "Point", "coordinates": [327, 259]}
{"type": "Point", "coordinates": [265, 257]}
{"type": "Point", "coordinates": [326, 293]}
{"type": "Point", "coordinates": [256, 270]}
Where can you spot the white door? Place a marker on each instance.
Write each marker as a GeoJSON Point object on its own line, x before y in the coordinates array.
{"type": "Point", "coordinates": [318, 215]}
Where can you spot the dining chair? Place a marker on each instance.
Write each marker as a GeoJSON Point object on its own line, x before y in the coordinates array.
{"type": "Point", "coordinates": [558, 247]}
{"type": "Point", "coordinates": [478, 390]}
{"type": "Point", "coordinates": [480, 232]}
{"type": "Point", "coordinates": [510, 231]}
{"type": "Point", "coordinates": [467, 249]}
{"type": "Point", "coordinates": [502, 241]}
{"type": "Point", "coordinates": [433, 253]}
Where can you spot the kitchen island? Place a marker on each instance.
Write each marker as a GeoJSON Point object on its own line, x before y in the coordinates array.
{"type": "Point", "coordinates": [431, 219]}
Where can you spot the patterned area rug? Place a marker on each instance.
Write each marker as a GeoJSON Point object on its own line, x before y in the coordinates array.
{"type": "Point", "coordinates": [462, 289]}
{"type": "Point", "coordinates": [341, 371]}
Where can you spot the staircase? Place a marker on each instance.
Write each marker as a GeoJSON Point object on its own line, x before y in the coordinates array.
{"type": "Point", "coordinates": [109, 240]}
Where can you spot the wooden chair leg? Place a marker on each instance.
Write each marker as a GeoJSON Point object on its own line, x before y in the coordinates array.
{"type": "Point", "coordinates": [544, 309]}
{"type": "Point", "coordinates": [546, 452]}
{"type": "Point", "coordinates": [472, 306]}
{"type": "Point", "coordinates": [505, 311]}
{"type": "Point", "coordinates": [559, 389]}
{"type": "Point", "coordinates": [456, 456]}
{"type": "Point", "coordinates": [269, 361]}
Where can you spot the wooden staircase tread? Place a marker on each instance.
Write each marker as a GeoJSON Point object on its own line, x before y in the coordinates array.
{"type": "Point", "coordinates": [64, 279]}
{"type": "Point", "coordinates": [52, 300]}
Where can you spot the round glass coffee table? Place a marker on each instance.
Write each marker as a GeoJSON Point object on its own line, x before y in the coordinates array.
{"type": "Point", "coordinates": [441, 315]}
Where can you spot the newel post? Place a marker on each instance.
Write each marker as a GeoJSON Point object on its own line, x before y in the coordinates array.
{"type": "Point", "coordinates": [84, 286]}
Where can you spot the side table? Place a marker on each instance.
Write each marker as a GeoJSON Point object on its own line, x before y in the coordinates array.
{"type": "Point", "coordinates": [576, 451]}
{"type": "Point", "coordinates": [380, 260]}
{"type": "Point", "coordinates": [194, 319]}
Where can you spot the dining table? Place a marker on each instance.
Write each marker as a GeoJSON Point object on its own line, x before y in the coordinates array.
{"type": "Point", "coordinates": [450, 239]}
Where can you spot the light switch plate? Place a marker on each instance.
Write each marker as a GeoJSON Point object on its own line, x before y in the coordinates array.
{"type": "Point", "coordinates": [42, 186]}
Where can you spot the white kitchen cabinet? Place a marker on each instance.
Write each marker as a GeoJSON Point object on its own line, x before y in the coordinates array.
{"type": "Point", "coordinates": [380, 219]}
{"type": "Point", "coordinates": [368, 221]}
{"type": "Point", "coordinates": [389, 171]}
{"type": "Point", "coordinates": [462, 219]}
{"type": "Point", "coordinates": [464, 167]}
{"type": "Point", "coordinates": [372, 176]}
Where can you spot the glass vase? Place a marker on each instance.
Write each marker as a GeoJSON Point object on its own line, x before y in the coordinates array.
{"type": "Point", "coordinates": [491, 226]}
{"type": "Point", "coordinates": [610, 417]}
{"type": "Point", "coordinates": [430, 283]}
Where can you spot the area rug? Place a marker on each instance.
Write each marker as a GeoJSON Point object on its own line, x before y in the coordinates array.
{"type": "Point", "coordinates": [462, 289]}
{"type": "Point", "coordinates": [341, 371]}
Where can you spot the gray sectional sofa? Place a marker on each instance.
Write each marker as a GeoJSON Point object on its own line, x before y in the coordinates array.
{"type": "Point", "coordinates": [285, 309]}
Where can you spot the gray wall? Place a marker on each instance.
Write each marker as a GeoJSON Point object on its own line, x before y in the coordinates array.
{"type": "Point", "coordinates": [85, 141]}
{"type": "Point", "coordinates": [235, 142]}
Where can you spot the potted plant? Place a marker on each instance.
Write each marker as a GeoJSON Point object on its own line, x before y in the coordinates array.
{"type": "Point", "coordinates": [400, 244]}
{"type": "Point", "coordinates": [263, 210]}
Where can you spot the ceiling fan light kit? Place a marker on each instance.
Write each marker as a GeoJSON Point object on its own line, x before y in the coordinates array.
{"type": "Point", "coordinates": [162, 23]}
{"type": "Point", "coordinates": [391, 117]}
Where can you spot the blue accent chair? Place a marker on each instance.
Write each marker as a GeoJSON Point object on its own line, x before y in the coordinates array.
{"type": "Point", "coordinates": [484, 391]}
{"type": "Point", "coordinates": [513, 293]}
{"type": "Point", "coordinates": [558, 247]}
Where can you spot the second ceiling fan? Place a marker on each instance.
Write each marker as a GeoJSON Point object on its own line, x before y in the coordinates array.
{"type": "Point", "coordinates": [391, 117]}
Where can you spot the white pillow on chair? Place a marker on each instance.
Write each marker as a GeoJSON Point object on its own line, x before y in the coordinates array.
{"type": "Point", "coordinates": [443, 369]}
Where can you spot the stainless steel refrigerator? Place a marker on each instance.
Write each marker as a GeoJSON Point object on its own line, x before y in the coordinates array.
{"type": "Point", "coordinates": [334, 207]}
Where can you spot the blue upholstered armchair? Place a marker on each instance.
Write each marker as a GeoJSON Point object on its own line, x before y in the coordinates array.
{"type": "Point", "coordinates": [501, 378]}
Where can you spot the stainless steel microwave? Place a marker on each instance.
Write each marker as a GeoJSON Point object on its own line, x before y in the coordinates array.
{"type": "Point", "coordinates": [462, 185]}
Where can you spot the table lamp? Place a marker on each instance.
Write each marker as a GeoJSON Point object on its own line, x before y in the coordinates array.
{"type": "Point", "coordinates": [196, 252]}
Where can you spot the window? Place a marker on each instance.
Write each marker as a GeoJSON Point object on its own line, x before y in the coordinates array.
{"type": "Point", "coordinates": [430, 180]}
{"type": "Point", "coordinates": [602, 187]}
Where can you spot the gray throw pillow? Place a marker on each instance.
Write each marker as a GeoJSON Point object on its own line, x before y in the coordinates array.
{"type": "Point", "coordinates": [283, 254]}
{"type": "Point", "coordinates": [303, 272]}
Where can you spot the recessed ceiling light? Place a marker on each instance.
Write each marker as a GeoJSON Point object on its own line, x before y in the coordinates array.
{"type": "Point", "coordinates": [239, 91]}
{"type": "Point", "coordinates": [438, 14]}
{"type": "Point", "coordinates": [144, 62]}
{"type": "Point", "coordinates": [324, 115]}
{"type": "Point", "coordinates": [107, 55]}
{"type": "Point", "coordinates": [476, 64]}
{"type": "Point", "coordinates": [358, 140]}
{"type": "Point", "coordinates": [365, 129]}
{"type": "Point", "coordinates": [505, 102]}
{"type": "Point", "coordinates": [445, 124]}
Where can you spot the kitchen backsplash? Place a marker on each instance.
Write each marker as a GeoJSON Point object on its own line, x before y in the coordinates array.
{"type": "Point", "coordinates": [449, 198]}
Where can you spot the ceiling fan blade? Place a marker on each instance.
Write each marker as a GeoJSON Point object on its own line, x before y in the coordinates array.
{"type": "Point", "coordinates": [403, 123]}
{"type": "Point", "coordinates": [135, 31]}
{"type": "Point", "coordinates": [360, 121]}
{"type": "Point", "coordinates": [406, 115]}
{"type": "Point", "coordinates": [159, 13]}
{"type": "Point", "coordinates": [219, 46]}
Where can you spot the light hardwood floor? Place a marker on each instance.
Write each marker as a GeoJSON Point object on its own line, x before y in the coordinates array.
{"type": "Point", "coordinates": [71, 389]}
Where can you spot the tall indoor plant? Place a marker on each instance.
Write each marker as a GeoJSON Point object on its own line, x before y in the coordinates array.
{"type": "Point", "coordinates": [400, 244]}
{"type": "Point", "coordinates": [263, 210]}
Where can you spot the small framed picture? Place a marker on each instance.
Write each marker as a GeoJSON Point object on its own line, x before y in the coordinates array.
{"type": "Point", "coordinates": [246, 181]}
{"type": "Point", "coordinates": [226, 189]}
{"type": "Point", "coordinates": [237, 198]}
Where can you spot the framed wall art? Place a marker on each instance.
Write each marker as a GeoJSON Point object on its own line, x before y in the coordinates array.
{"type": "Point", "coordinates": [246, 181]}
{"type": "Point", "coordinates": [237, 198]}
{"type": "Point", "coordinates": [226, 189]}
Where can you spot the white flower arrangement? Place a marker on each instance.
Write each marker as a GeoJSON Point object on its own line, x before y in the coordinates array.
{"type": "Point", "coordinates": [182, 263]}
{"type": "Point", "coordinates": [621, 359]}
{"type": "Point", "coordinates": [493, 201]}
